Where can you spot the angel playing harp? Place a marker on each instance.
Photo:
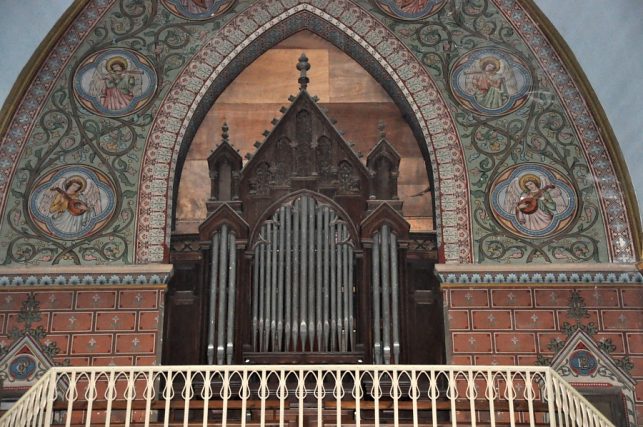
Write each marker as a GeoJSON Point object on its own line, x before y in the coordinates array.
{"type": "Point", "coordinates": [492, 84]}
{"type": "Point", "coordinates": [114, 84]}
{"type": "Point", "coordinates": [72, 201]}
{"type": "Point", "coordinates": [535, 201]}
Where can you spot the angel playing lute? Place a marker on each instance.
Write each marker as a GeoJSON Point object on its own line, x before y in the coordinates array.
{"type": "Point", "coordinates": [72, 201]}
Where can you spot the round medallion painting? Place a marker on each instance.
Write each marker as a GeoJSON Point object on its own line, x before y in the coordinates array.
{"type": "Point", "coordinates": [197, 9]}
{"type": "Point", "coordinates": [22, 367]}
{"type": "Point", "coordinates": [114, 82]}
{"type": "Point", "coordinates": [72, 202]}
{"type": "Point", "coordinates": [410, 9]}
{"type": "Point", "coordinates": [583, 363]}
{"type": "Point", "coordinates": [533, 200]}
{"type": "Point", "coordinates": [490, 81]}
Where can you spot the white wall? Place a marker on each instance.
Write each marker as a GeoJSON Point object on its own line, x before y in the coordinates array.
{"type": "Point", "coordinates": [606, 37]}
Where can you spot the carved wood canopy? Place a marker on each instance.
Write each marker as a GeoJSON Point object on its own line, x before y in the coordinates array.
{"type": "Point", "coordinates": [303, 151]}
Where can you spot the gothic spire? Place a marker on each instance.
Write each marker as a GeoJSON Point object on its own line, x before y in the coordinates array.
{"type": "Point", "coordinates": [303, 66]}
{"type": "Point", "coordinates": [224, 133]}
{"type": "Point", "coordinates": [381, 126]}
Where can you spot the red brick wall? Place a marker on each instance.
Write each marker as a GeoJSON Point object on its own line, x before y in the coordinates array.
{"type": "Point", "coordinates": [508, 325]}
{"type": "Point", "coordinates": [90, 326]}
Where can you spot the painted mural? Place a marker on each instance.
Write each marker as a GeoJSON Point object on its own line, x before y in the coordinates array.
{"type": "Point", "coordinates": [533, 200]}
{"type": "Point", "coordinates": [490, 81]}
{"type": "Point", "coordinates": [72, 202]}
{"type": "Point", "coordinates": [197, 9]}
{"type": "Point", "coordinates": [114, 82]}
{"type": "Point", "coordinates": [410, 9]}
{"type": "Point", "coordinates": [482, 84]}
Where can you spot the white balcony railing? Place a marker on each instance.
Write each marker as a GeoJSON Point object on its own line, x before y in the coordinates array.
{"type": "Point", "coordinates": [298, 395]}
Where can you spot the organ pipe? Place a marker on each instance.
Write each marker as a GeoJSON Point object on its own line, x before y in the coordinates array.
{"type": "Point", "coordinates": [213, 297]}
{"type": "Point", "coordinates": [221, 304]}
{"type": "Point", "coordinates": [304, 291]}
{"type": "Point", "coordinates": [386, 291]}
{"type": "Point", "coordinates": [223, 273]}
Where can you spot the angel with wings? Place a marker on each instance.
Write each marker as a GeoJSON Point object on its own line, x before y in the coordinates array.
{"type": "Point", "coordinates": [535, 201]}
{"type": "Point", "coordinates": [492, 84]}
{"type": "Point", "coordinates": [71, 202]}
{"type": "Point", "coordinates": [114, 84]}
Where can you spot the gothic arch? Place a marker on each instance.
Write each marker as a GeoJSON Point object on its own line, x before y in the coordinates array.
{"type": "Point", "coordinates": [244, 38]}
{"type": "Point", "coordinates": [427, 100]}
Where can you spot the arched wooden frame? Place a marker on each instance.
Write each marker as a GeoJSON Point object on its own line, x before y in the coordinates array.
{"type": "Point", "coordinates": [270, 211]}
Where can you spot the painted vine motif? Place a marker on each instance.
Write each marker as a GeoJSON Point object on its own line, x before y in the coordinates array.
{"type": "Point", "coordinates": [410, 9]}
{"type": "Point", "coordinates": [509, 117]}
{"type": "Point", "coordinates": [525, 122]}
{"type": "Point", "coordinates": [28, 316]}
{"type": "Point", "coordinates": [197, 9]}
{"type": "Point", "coordinates": [87, 148]}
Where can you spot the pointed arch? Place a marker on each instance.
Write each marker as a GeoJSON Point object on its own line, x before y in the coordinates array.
{"type": "Point", "coordinates": [393, 65]}
{"type": "Point", "coordinates": [251, 33]}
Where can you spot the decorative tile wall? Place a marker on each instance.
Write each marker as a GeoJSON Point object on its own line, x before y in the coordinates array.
{"type": "Point", "coordinates": [87, 326]}
{"type": "Point", "coordinates": [509, 325]}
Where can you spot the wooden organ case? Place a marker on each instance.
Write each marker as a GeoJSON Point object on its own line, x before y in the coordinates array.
{"type": "Point", "coordinates": [304, 256]}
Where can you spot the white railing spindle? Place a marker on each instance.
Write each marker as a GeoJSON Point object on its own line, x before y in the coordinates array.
{"type": "Point", "coordinates": [386, 394]}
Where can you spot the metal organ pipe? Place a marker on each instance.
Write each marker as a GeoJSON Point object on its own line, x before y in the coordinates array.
{"type": "Point", "coordinates": [269, 284]}
{"type": "Point", "coordinates": [223, 275]}
{"type": "Point", "coordinates": [275, 284]}
{"type": "Point", "coordinates": [303, 328]}
{"type": "Point", "coordinates": [304, 260]}
{"type": "Point", "coordinates": [386, 290]}
{"type": "Point", "coordinates": [214, 271]}
{"type": "Point", "coordinates": [386, 303]}
{"type": "Point", "coordinates": [280, 277]}
{"type": "Point", "coordinates": [377, 325]}
{"type": "Point", "coordinates": [295, 285]}
{"type": "Point", "coordinates": [395, 291]}
{"type": "Point", "coordinates": [232, 280]}
{"type": "Point", "coordinates": [303, 286]}
{"type": "Point", "coordinates": [262, 286]}
{"type": "Point", "coordinates": [326, 278]}
{"type": "Point", "coordinates": [340, 277]}
{"type": "Point", "coordinates": [346, 291]}
{"type": "Point", "coordinates": [333, 283]}
{"type": "Point", "coordinates": [255, 297]}
{"type": "Point", "coordinates": [319, 243]}
{"type": "Point", "coordinates": [312, 295]}
{"type": "Point", "coordinates": [287, 324]}
{"type": "Point", "coordinates": [221, 303]}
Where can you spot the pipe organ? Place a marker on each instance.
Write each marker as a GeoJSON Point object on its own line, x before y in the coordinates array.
{"type": "Point", "coordinates": [304, 256]}
{"type": "Point", "coordinates": [302, 288]}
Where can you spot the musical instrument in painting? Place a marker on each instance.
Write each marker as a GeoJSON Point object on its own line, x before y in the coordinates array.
{"type": "Point", "coordinates": [529, 204]}
{"type": "Point", "coordinates": [74, 206]}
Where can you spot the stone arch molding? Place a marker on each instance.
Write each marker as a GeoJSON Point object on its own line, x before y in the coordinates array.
{"type": "Point", "coordinates": [250, 26]}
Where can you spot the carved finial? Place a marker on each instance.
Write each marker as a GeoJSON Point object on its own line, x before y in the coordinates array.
{"type": "Point", "coordinates": [303, 66]}
{"type": "Point", "coordinates": [381, 126]}
{"type": "Point", "coordinates": [224, 133]}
